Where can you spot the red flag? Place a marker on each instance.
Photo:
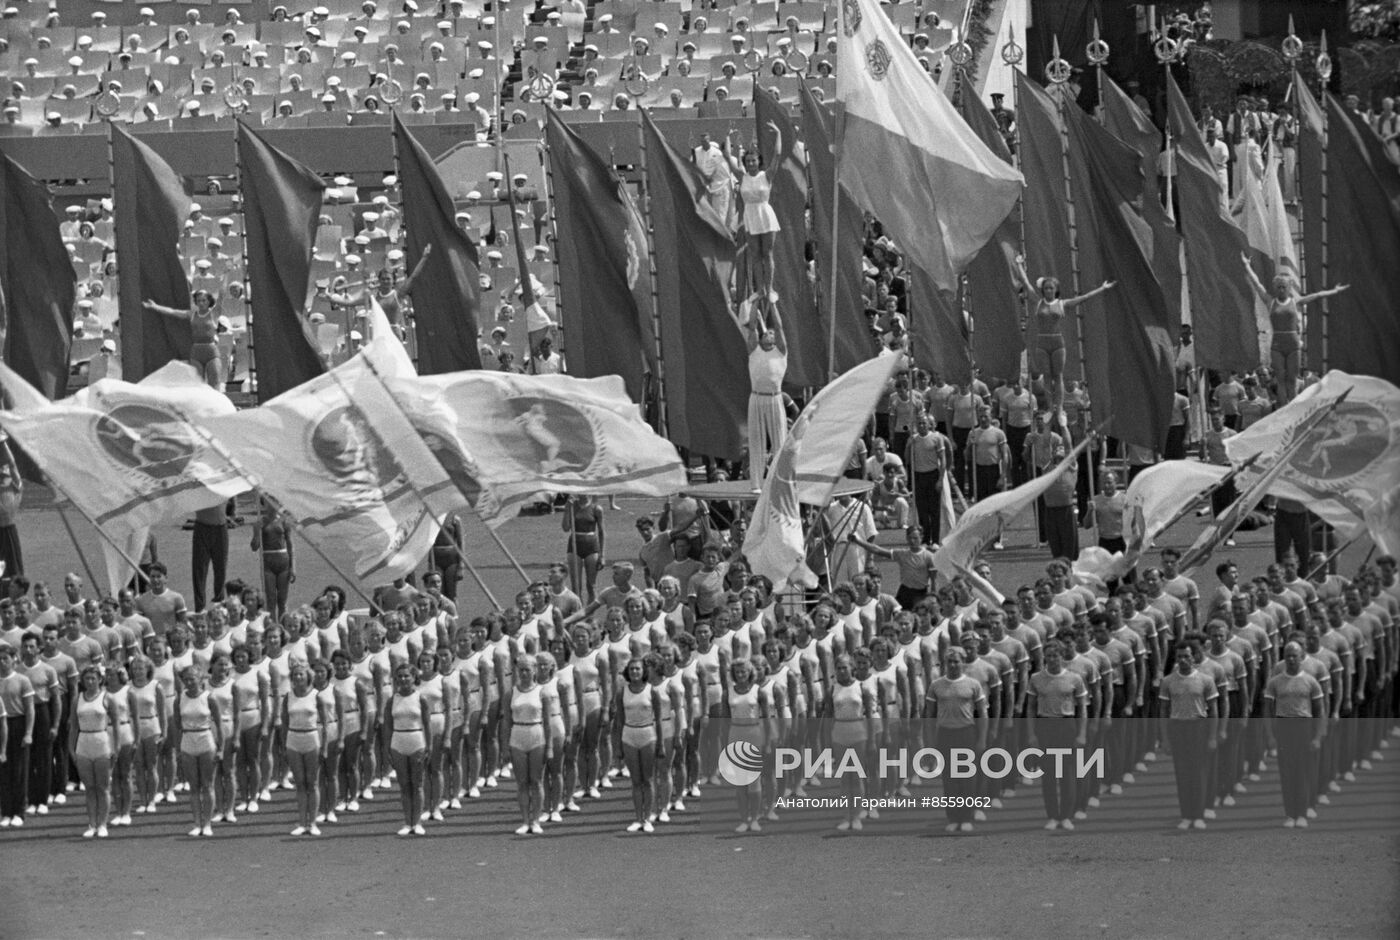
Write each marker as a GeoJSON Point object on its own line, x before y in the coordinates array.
{"type": "Point", "coordinates": [1128, 342]}
{"type": "Point", "coordinates": [997, 340]}
{"type": "Point", "coordinates": [282, 207]}
{"type": "Point", "coordinates": [36, 283]}
{"type": "Point", "coordinates": [938, 329]}
{"type": "Point", "coordinates": [151, 206]}
{"type": "Point", "coordinates": [1222, 304]}
{"type": "Point", "coordinates": [806, 340]}
{"type": "Point", "coordinates": [852, 342]}
{"type": "Point", "coordinates": [1126, 121]}
{"type": "Point", "coordinates": [1046, 218]}
{"type": "Point", "coordinates": [602, 247]}
{"type": "Point", "coordinates": [447, 296]}
{"type": "Point", "coordinates": [707, 374]}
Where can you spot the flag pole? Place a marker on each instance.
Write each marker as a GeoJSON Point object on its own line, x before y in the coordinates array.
{"type": "Point", "coordinates": [1013, 55]}
{"type": "Point", "coordinates": [1292, 50]}
{"type": "Point", "coordinates": [1058, 71]}
{"type": "Point", "coordinates": [547, 165]}
{"type": "Point", "coordinates": [82, 555]}
{"type": "Point", "coordinates": [247, 294]}
{"type": "Point", "coordinates": [1324, 74]}
{"type": "Point", "coordinates": [658, 380]}
{"type": "Point", "coordinates": [838, 127]}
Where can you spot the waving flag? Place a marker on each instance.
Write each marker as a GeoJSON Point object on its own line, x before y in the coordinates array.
{"type": "Point", "coordinates": [807, 468]}
{"type": "Point", "coordinates": [128, 455]}
{"type": "Point", "coordinates": [983, 522]}
{"type": "Point", "coordinates": [528, 434]}
{"type": "Point", "coordinates": [1347, 463]}
{"type": "Point", "coordinates": [939, 190]}
{"type": "Point", "coordinates": [1257, 487]}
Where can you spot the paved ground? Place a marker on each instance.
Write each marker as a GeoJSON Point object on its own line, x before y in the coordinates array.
{"type": "Point", "coordinates": [1124, 872]}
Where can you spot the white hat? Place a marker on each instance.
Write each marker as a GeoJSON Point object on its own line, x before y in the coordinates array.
{"type": "Point", "coordinates": [146, 11]}
{"type": "Point", "coordinates": [224, 322]}
{"type": "Point", "coordinates": [352, 259]}
{"type": "Point", "coordinates": [662, 28]}
{"type": "Point", "coordinates": [85, 305]}
{"type": "Point", "coordinates": [444, 24]}
{"type": "Point", "coordinates": [474, 194]}
{"type": "Point", "coordinates": [493, 255]}
{"type": "Point", "coordinates": [390, 180]}
{"type": "Point", "coordinates": [541, 249]}
{"type": "Point", "coordinates": [435, 45]}
{"type": "Point", "coordinates": [355, 334]}
{"type": "Point", "coordinates": [204, 264]}
{"type": "Point", "coordinates": [371, 216]}
{"type": "Point", "coordinates": [333, 81]}
{"type": "Point", "coordinates": [226, 221]}
{"type": "Point", "coordinates": [195, 207]}
{"type": "Point", "coordinates": [395, 255]}
{"type": "Point", "coordinates": [500, 329]}
{"type": "Point", "coordinates": [75, 61]}
{"type": "Point", "coordinates": [484, 45]}
{"type": "Point", "coordinates": [73, 210]}
{"type": "Point", "coordinates": [317, 317]}
{"type": "Point", "coordinates": [344, 181]}
{"type": "Point", "coordinates": [214, 242]}
{"type": "Point", "coordinates": [328, 97]}
{"type": "Point", "coordinates": [472, 97]}
{"type": "Point", "coordinates": [313, 31]}
{"type": "Point", "coordinates": [109, 346]}
{"type": "Point", "coordinates": [321, 11]}
{"type": "Point", "coordinates": [494, 176]}
{"type": "Point", "coordinates": [362, 240]}
{"type": "Point", "coordinates": [380, 200]}
{"type": "Point", "coordinates": [520, 176]}
{"type": "Point", "coordinates": [605, 18]}
{"type": "Point", "coordinates": [476, 73]}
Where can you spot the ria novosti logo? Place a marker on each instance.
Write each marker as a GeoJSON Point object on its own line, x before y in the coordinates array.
{"type": "Point", "coordinates": [740, 763]}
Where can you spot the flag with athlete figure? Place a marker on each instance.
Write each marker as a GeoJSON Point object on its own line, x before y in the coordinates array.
{"type": "Point", "coordinates": [1345, 465]}
{"type": "Point", "coordinates": [529, 434]}
{"type": "Point", "coordinates": [341, 458]}
{"type": "Point", "coordinates": [128, 455]}
{"type": "Point", "coordinates": [807, 468]}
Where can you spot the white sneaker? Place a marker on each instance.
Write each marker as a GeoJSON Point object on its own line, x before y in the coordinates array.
{"type": "Point", "coordinates": [771, 815]}
{"type": "Point", "coordinates": [454, 803]}
{"type": "Point", "coordinates": [195, 832]}
{"type": "Point", "coordinates": [594, 793]}
{"type": "Point", "coordinates": [1052, 825]}
{"type": "Point", "coordinates": [1289, 823]}
{"type": "Point", "coordinates": [1115, 790]}
{"type": "Point", "coordinates": [1150, 756]}
{"type": "Point", "coordinates": [1184, 824]}
{"type": "Point", "coordinates": [1067, 824]}
{"type": "Point", "coordinates": [301, 831]}
{"type": "Point", "coordinates": [755, 827]}
{"type": "Point", "coordinates": [101, 832]}
{"type": "Point", "coordinates": [265, 795]}
{"type": "Point", "coordinates": [492, 782]}
{"type": "Point", "coordinates": [314, 830]}
{"type": "Point", "coordinates": [873, 814]}
{"type": "Point", "coordinates": [208, 830]}
{"type": "Point", "coordinates": [1302, 822]}
{"type": "Point", "coordinates": [1228, 801]}
{"type": "Point", "coordinates": [1140, 767]}
{"type": "Point", "coordinates": [330, 817]}
{"type": "Point", "coordinates": [229, 817]}
{"type": "Point", "coordinates": [150, 807]}
{"type": "Point", "coordinates": [979, 815]}
{"type": "Point", "coordinates": [1129, 779]}
{"type": "Point", "coordinates": [951, 827]}
{"type": "Point", "coordinates": [842, 826]}
{"type": "Point", "coordinates": [353, 806]}
{"type": "Point", "coordinates": [1334, 787]}
{"type": "Point", "coordinates": [1349, 777]}
{"type": "Point", "coordinates": [573, 807]}
{"type": "Point", "coordinates": [1094, 802]}
{"type": "Point", "coordinates": [406, 831]}
{"type": "Point", "coordinates": [637, 827]}
{"type": "Point", "coordinates": [536, 829]}
{"type": "Point", "coordinates": [996, 803]}
{"type": "Point", "coordinates": [1198, 824]}
{"type": "Point", "coordinates": [241, 806]}
{"type": "Point", "coordinates": [1208, 814]}
{"type": "Point", "coordinates": [17, 821]}
{"type": "Point", "coordinates": [367, 793]}
{"type": "Point", "coordinates": [857, 825]}
{"type": "Point", "coordinates": [87, 833]}
{"type": "Point", "coordinates": [252, 806]}
{"type": "Point", "coordinates": [678, 805]}
{"type": "Point", "coordinates": [42, 809]}
{"type": "Point", "coordinates": [60, 798]}
{"type": "Point", "coordinates": [1324, 799]}
{"type": "Point", "coordinates": [340, 806]}
{"type": "Point", "coordinates": [418, 830]}
{"type": "Point", "coordinates": [1081, 815]}
{"type": "Point", "coordinates": [523, 829]}
{"type": "Point", "coordinates": [607, 783]}
{"type": "Point", "coordinates": [556, 816]}
{"type": "Point", "coordinates": [1312, 813]}
{"type": "Point", "coordinates": [436, 815]}
{"type": "Point", "coordinates": [965, 827]}
{"type": "Point", "coordinates": [321, 817]}
{"type": "Point", "coordinates": [474, 793]}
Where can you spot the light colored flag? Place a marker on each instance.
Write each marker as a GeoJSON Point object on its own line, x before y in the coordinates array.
{"type": "Point", "coordinates": [127, 454]}
{"type": "Point", "coordinates": [339, 456]}
{"type": "Point", "coordinates": [528, 434]}
{"type": "Point", "coordinates": [1255, 490]}
{"type": "Point", "coordinates": [807, 468]}
{"type": "Point", "coordinates": [1347, 463]}
{"type": "Point", "coordinates": [1260, 212]}
{"type": "Point", "coordinates": [1383, 523]}
{"type": "Point", "coordinates": [940, 192]}
{"type": "Point", "coordinates": [982, 522]}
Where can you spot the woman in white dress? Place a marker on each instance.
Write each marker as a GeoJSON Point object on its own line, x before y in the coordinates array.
{"type": "Point", "coordinates": [759, 220]}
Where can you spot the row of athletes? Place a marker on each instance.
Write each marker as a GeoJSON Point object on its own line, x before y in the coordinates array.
{"type": "Point", "coordinates": [810, 646]}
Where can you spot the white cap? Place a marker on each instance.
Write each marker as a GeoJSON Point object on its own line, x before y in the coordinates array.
{"type": "Point", "coordinates": [494, 176]}
{"type": "Point", "coordinates": [75, 61]}
{"type": "Point", "coordinates": [226, 221]}
{"type": "Point", "coordinates": [444, 24]}
{"type": "Point", "coordinates": [344, 181]}
{"type": "Point", "coordinates": [85, 305]}
{"type": "Point", "coordinates": [204, 264]}
{"type": "Point", "coordinates": [362, 240]}
{"type": "Point", "coordinates": [333, 81]}
{"type": "Point", "coordinates": [214, 242]}
{"type": "Point", "coordinates": [109, 346]}
{"type": "Point", "coordinates": [493, 255]}
{"type": "Point", "coordinates": [313, 31]}
{"type": "Point", "coordinates": [476, 73]}
{"type": "Point", "coordinates": [500, 329]}
{"type": "Point", "coordinates": [520, 176]}
{"type": "Point", "coordinates": [662, 28]}
{"type": "Point", "coordinates": [355, 334]}
{"type": "Point", "coordinates": [352, 259]}
{"type": "Point", "coordinates": [472, 97]}
{"type": "Point", "coordinates": [391, 180]}
{"type": "Point", "coordinates": [474, 194]}
{"type": "Point", "coordinates": [328, 97]}
{"type": "Point", "coordinates": [146, 11]}
{"type": "Point", "coordinates": [317, 317]}
{"type": "Point", "coordinates": [394, 255]}
{"type": "Point", "coordinates": [195, 207]}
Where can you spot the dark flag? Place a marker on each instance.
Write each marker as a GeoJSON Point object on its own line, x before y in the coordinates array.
{"type": "Point", "coordinates": [1222, 303]}
{"type": "Point", "coordinates": [852, 340]}
{"type": "Point", "coordinates": [806, 340]}
{"type": "Point", "coordinates": [997, 340]}
{"type": "Point", "coordinates": [36, 283]}
{"type": "Point", "coordinates": [938, 329]}
{"type": "Point", "coordinates": [1126, 121]}
{"type": "Point", "coordinates": [707, 373]}
{"type": "Point", "coordinates": [1363, 200]}
{"type": "Point", "coordinates": [1046, 215]}
{"type": "Point", "coordinates": [447, 295]}
{"type": "Point", "coordinates": [1312, 142]}
{"type": "Point", "coordinates": [1128, 351]}
{"type": "Point", "coordinates": [150, 208]}
{"type": "Point", "coordinates": [603, 269]}
{"type": "Point", "coordinates": [281, 208]}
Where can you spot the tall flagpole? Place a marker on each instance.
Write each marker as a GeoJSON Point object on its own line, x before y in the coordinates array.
{"type": "Point", "coordinates": [547, 165]}
{"type": "Point", "coordinates": [961, 55]}
{"type": "Point", "coordinates": [837, 132]}
{"type": "Point", "coordinates": [1292, 50]}
{"type": "Point", "coordinates": [247, 293]}
{"type": "Point", "coordinates": [662, 423]}
{"type": "Point", "coordinates": [1058, 71]}
{"type": "Point", "coordinates": [1324, 74]}
{"type": "Point", "coordinates": [1166, 50]}
{"type": "Point", "coordinates": [1012, 55]}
